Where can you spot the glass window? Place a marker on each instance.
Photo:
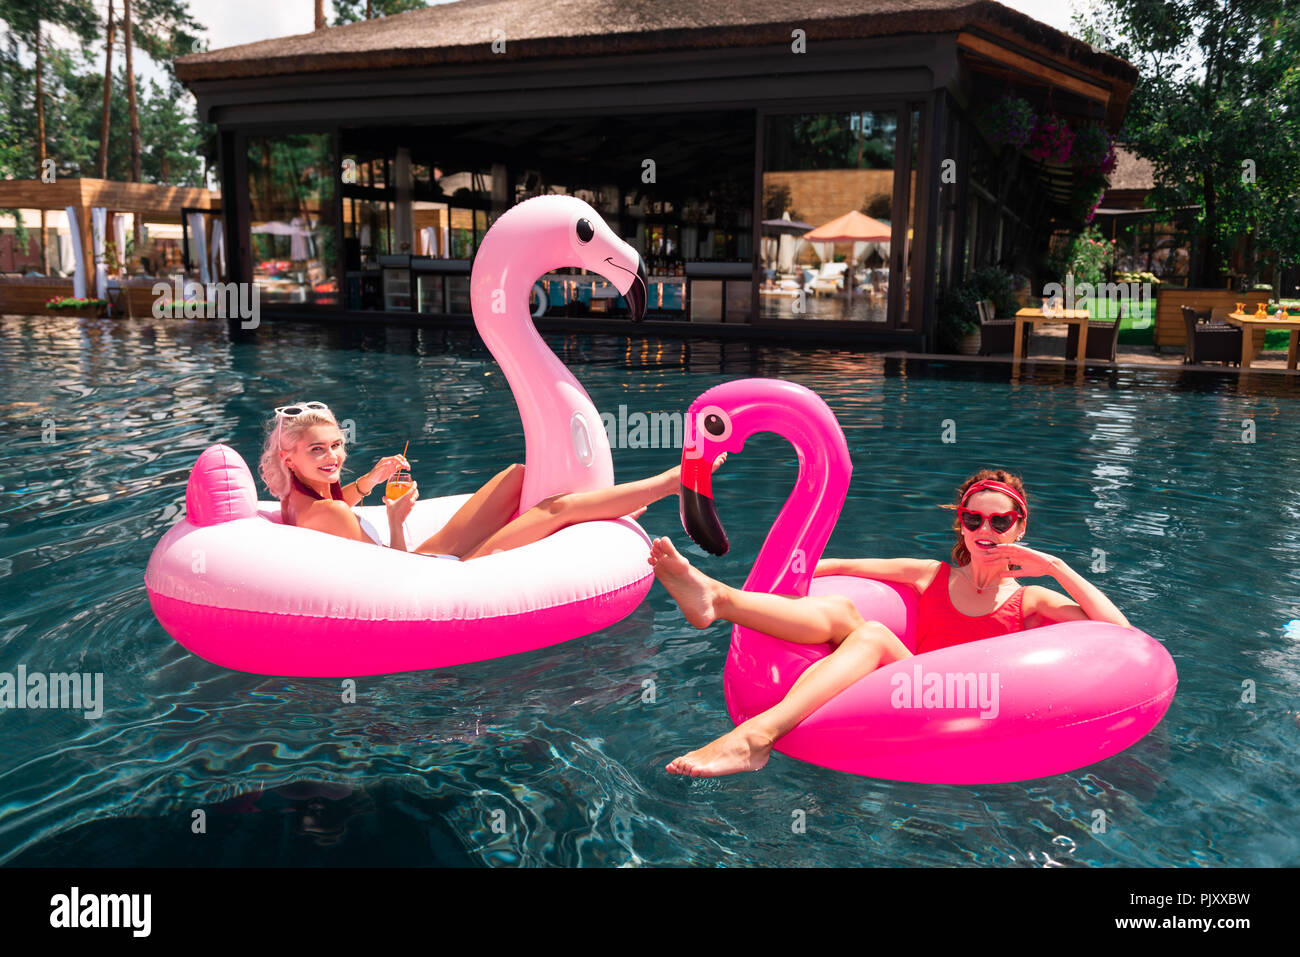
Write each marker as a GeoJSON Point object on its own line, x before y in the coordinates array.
{"type": "Point", "coordinates": [292, 230]}
{"type": "Point", "coordinates": [820, 168]}
{"type": "Point", "coordinates": [913, 156]}
{"type": "Point", "coordinates": [432, 237]}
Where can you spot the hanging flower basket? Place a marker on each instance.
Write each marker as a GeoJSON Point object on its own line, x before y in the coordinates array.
{"type": "Point", "coordinates": [1094, 150]}
{"type": "Point", "coordinates": [1052, 140]}
{"type": "Point", "coordinates": [1007, 122]}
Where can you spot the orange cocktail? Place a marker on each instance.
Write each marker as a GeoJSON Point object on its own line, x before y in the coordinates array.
{"type": "Point", "coordinates": [399, 483]}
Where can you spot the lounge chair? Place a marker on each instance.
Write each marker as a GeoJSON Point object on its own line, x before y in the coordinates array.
{"type": "Point", "coordinates": [829, 279]}
{"type": "Point", "coordinates": [998, 335]}
{"type": "Point", "coordinates": [1209, 341]}
{"type": "Point", "coordinates": [1103, 335]}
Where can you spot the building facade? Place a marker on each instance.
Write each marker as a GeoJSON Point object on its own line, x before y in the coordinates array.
{"type": "Point", "coordinates": [363, 163]}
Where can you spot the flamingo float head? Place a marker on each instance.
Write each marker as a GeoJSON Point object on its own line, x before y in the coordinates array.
{"type": "Point", "coordinates": [552, 231]}
{"type": "Point", "coordinates": [566, 447]}
{"type": "Point", "coordinates": [720, 420]}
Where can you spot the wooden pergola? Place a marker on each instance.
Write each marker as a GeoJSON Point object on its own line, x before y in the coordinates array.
{"type": "Point", "coordinates": [149, 202]}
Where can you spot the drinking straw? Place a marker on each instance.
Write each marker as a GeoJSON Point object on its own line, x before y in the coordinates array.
{"type": "Point", "coordinates": [407, 446]}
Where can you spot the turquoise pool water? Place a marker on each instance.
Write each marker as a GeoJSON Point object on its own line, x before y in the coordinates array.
{"type": "Point", "coordinates": [553, 757]}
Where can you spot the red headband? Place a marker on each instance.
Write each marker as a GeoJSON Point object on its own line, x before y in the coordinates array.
{"type": "Point", "coordinates": [997, 487]}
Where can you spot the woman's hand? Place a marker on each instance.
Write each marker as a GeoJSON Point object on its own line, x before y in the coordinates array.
{"type": "Point", "coordinates": [399, 508]}
{"type": "Point", "coordinates": [385, 468]}
{"type": "Point", "coordinates": [1031, 561]}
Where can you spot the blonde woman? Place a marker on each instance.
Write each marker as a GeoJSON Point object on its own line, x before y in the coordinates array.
{"type": "Point", "coordinates": [302, 462]}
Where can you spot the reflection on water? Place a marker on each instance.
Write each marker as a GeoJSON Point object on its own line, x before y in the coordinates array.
{"type": "Point", "coordinates": [556, 757]}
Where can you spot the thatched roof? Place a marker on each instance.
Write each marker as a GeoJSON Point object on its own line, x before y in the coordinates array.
{"type": "Point", "coordinates": [1131, 172]}
{"type": "Point", "coordinates": [462, 33]}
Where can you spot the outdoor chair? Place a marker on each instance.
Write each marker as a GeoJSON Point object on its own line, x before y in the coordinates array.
{"type": "Point", "coordinates": [998, 335]}
{"type": "Point", "coordinates": [1209, 341]}
{"type": "Point", "coordinates": [830, 278]}
{"type": "Point", "coordinates": [1103, 336]}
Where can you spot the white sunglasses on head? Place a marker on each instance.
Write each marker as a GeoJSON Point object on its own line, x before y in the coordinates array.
{"type": "Point", "coordinates": [298, 408]}
{"type": "Point", "coordinates": [292, 411]}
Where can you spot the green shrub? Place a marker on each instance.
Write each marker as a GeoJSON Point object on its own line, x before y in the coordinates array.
{"type": "Point", "coordinates": [956, 317]}
{"type": "Point", "coordinates": [1089, 255]}
{"type": "Point", "coordinates": [990, 282]}
{"type": "Point", "coordinates": [955, 310]}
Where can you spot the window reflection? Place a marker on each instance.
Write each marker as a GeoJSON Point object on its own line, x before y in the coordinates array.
{"type": "Point", "coordinates": [293, 235]}
{"type": "Point", "coordinates": [834, 171]}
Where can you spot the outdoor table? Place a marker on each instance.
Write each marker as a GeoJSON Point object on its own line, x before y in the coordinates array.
{"type": "Point", "coordinates": [1249, 323]}
{"type": "Point", "coordinates": [1077, 317]}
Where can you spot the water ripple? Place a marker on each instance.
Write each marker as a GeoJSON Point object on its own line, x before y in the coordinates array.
{"type": "Point", "coordinates": [1140, 479]}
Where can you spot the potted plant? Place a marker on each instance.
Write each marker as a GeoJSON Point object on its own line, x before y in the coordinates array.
{"type": "Point", "coordinates": [1007, 122]}
{"type": "Point", "coordinates": [1094, 149]}
{"type": "Point", "coordinates": [90, 308]}
{"type": "Point", "coordinates": [957, 327]}
{"type": "Point", "coordinates": [1053, 141]}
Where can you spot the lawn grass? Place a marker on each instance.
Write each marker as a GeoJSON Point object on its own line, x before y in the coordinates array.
{"type": "Point", "coordinates": [1139, 327]}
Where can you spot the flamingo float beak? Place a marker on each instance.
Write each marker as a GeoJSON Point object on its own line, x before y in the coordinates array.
{"type": "Point", "coordinates": [695, 503]}
{"type": "Point", "coordinates": [638, 292]}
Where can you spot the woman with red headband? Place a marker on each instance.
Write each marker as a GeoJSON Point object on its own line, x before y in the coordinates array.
{"type": "Point", "coordinates": [975, 597]}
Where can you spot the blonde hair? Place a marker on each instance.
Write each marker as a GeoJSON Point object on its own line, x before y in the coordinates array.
{"type": "Point", "coordinates": [288, 430]}
{"type": "Point", "coordinates": [960, 554]}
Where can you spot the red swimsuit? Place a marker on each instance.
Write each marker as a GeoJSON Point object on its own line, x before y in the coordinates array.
{"type": "Point", "coordinates": [336, 493]}
{"type": "Point", "coordinates": [941, 625]}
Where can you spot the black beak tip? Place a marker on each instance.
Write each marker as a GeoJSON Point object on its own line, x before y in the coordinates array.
{"type": "Point", "coordinates": [700, 520]}
{"type": "Point", "coordinates": [639, 292]}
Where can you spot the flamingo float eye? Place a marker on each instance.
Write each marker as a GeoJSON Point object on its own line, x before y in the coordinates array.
{"type": "Point", "coordinates": [715, 423]}
{"type": "Point", "coordinates": [585, 231]}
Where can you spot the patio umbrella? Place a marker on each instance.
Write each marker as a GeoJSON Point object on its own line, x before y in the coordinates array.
{"type": "Point", "coordinates": [299, 232]}
{"type": "Point", "coordinates": [852, 227]}
{"type": "Point", "coordinates": [786, 230]}
{"type": "Point", "coordinates": [786, 225]}
{"type": "Point", "coordinates": [300, 241]}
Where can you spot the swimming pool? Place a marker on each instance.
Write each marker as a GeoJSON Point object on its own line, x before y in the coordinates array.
{"type": "Point", "coordinates": [556, 757]}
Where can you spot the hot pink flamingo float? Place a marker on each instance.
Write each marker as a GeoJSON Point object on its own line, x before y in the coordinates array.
{"type": "Point", "coordinates": [1020, 706]}
{"type": "Point", "coordinates": [268, 598]}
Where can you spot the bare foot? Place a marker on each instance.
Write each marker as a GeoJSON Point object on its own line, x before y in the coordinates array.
{"type": "Point", "coordinates": [694, 591]}
{"type": "Point", "coordinates": [741, 749]}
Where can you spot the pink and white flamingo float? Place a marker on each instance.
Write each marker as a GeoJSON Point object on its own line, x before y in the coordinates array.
{"type": "Point", "coordinates": [235, 586]}
{"type": "Point", "coordinates": [1020, 706]}
{"type": "Point", "coordinates": [566, 446]}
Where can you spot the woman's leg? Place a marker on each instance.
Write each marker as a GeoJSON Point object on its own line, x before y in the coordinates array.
{"type": "Point", "coordinates": [810, 620]}
{"type": "Point", "coordinates": [860, 648]}
{"type": "Point", "coordinates": [748, 746]}
{"type": "Point", "coordinates": [569, 508]}
{"type": "Point", "coordinates": [487, 510]}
